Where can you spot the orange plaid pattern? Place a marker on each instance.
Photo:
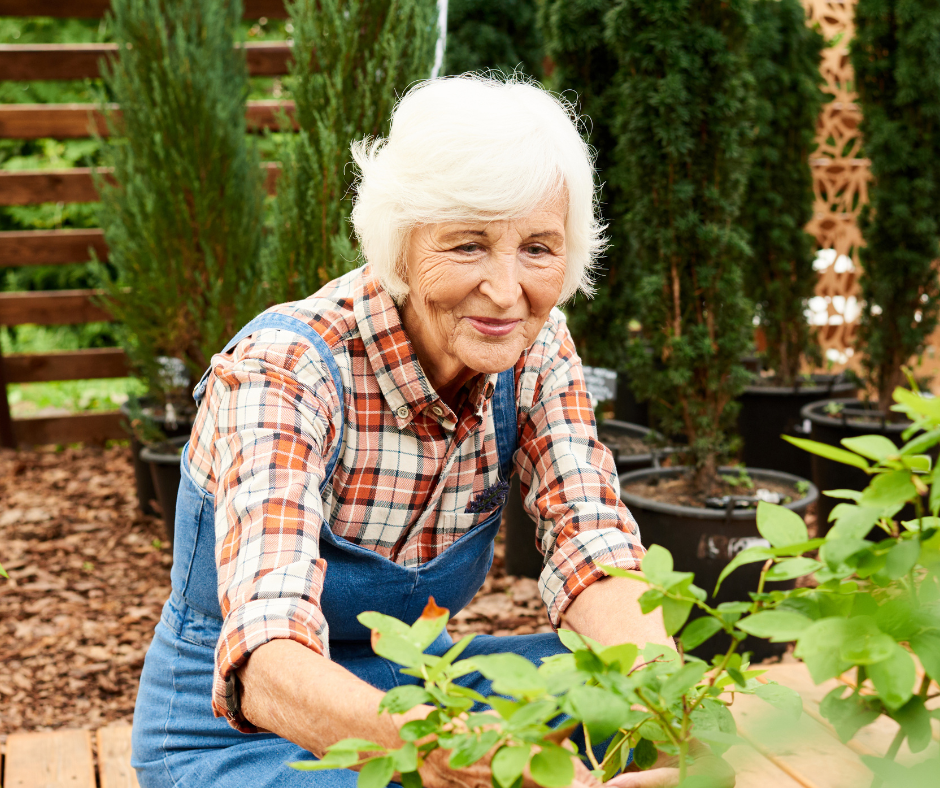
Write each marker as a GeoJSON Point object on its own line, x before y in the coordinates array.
{"type": "Point", "coordinates": [408, 469]}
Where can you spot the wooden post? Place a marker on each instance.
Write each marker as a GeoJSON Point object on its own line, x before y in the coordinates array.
{"type": "Point", "coordinates": [7, 438]}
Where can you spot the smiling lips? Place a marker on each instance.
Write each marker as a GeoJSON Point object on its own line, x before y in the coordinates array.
{"type": "Point", "coordinates": [493, 327]}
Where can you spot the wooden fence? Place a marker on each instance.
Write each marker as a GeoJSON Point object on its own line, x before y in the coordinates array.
{"type": "Point", "coordinates": [68, 247]}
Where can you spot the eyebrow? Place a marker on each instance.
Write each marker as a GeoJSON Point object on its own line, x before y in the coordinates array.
{"type": "Point", "coordinates": [452, 236]}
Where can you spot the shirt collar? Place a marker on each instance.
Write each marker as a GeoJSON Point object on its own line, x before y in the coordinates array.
{"type": "Point", "coordinates": [394, 362]}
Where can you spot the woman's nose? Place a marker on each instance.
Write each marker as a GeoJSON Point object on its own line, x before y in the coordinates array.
{"type": "Point", "coordinates": [501, 282]}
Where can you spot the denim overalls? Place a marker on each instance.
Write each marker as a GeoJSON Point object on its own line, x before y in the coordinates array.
{"type": "Point", "coordinates": [176, 739]}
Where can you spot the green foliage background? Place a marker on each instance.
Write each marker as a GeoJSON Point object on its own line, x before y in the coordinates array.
{"type": "Point", "coordinates": [504, 36]}
{"type": "Point", "coordinates": [784, 57]}
{"type": "Point", "coordinates": [896, 57]}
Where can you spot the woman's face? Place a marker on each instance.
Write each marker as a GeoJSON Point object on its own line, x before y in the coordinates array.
{"type": "Point", "coordinates": [480, 292]}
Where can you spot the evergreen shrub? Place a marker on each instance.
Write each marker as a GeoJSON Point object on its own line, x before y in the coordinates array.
{"type": "Point", "coordinates": [483, 36]}
{"type": "Point", "coordinates": [684, 126]}
{"type": "Point", "coordinates": [779, 277]}
{"type": "Point", "coordinates": [183, 218]}
{"type": "Point", "coordinates": [896, 57]}
{"type": "Point", "coordinates": [363, 55]}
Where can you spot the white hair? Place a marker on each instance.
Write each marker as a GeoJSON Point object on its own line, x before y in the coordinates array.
{"type": "Point", "coordinates": [475, 148]}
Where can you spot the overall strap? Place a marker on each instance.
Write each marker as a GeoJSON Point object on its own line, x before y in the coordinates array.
{"type": "Point", "coordinates": [297, 326]}
{"type": "Point", "coordinates": [506, 419]}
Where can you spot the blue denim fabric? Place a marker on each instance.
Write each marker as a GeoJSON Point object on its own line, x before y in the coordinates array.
{"type": "Point", "coordinates": [177, 741]}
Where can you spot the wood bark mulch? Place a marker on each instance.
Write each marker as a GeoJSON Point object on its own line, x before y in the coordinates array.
{"type": "Point", "coordinates": [88, 578]}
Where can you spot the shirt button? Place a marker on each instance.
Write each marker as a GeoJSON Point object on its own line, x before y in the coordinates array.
{"type": "Point", "coordinates": [403, 412]}
{"type": "Point", "coordinates": [437, 410]}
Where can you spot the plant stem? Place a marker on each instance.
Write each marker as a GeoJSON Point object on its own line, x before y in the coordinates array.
{"type": "Point", "coordinates": [588, 749]}
{"type": "Point", "coordinates": [899, 737]}
{"type": "Point", "coordinates": [683, 755]}
{"type": "Point", "coordinates": [763, 575]}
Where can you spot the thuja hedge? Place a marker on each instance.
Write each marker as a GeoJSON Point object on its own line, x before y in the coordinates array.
{"type": "Point", "coordinates": [483, 35]}
{"type": "Point", "coordinates": [896, 57]}
{"type": "Point", "coordinates": [183, 216]}
{"type": "Point", "coordinates": [784, 58]}
{"type": "Point", "coordinates": [363, 55]}
{"type": "Point", "coordinates": [683, 120]}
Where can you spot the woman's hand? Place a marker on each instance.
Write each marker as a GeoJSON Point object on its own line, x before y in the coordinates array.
{"type": "Point", "coordinates": [665, 772]}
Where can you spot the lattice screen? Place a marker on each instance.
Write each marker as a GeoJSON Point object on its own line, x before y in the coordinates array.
{"type": "Point", "coordinates": [840, 183]}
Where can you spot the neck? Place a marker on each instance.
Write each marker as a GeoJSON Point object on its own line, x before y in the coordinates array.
{"type": "Point", "coordinates": [445, 372]}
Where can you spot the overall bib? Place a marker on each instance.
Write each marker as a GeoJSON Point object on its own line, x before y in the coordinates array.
{"type": "Point", "coordinates": [177, 742]}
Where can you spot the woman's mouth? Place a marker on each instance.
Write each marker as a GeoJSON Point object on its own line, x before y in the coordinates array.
{"type": "Point", "coordinates": [493, 327]}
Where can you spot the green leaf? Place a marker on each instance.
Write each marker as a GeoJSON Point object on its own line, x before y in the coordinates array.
{"type": "Point", "coordinates": [829, 452]}
{"type": "Point", "coordinates": [851, 495]}
{"type": "Point", "coordinates": [675, 614]}
{"type": "Point", "coordinates": [779, 526]}
{"type": "Point", "coordinates": [657, 564]}
{"type": "Point", "coordinates": [837, 551]}
{"type": "Point", "coordinates": [779, 626]}
{"type": "Point", "coordinates": [551, 767]}
{"type": "Point", "coordinates": [901, 558]}
{"type": "Point", "coordinates": [575, 642]}
{"type": "Point", "coordinates": [852, 521]}
{"type": "Point", "coordinates": [398, 700]}
{"type": "Point", "coordinates": [780, 697]}
{"type": "Point", "coordinates": [384, 625]}
{"type": "Point", "coordinates": [889, 490]}
{"type": "Point", "coordinates": [398, 649]}
{"type": "Point", "coordinates": [376, 773]}
{"type": "Point", "coordinates": [417, 729]}
{"type": "Point", "coordinates": [601, 711]}
{"type": "Point", "coordinates": [511, 674]}
{"type": "Point", "coordinates": [356, 745]}
{"type": "Point", "coordinates": [922, 443]}
{"type": "Point", "coordinates": [411, 780]}
{"type": "Point", "coordinates": [863, 643]}
{"type": "Point", "coordinates": [645, 754]}
{"type": "Point", "coordinates": [926, 645]}
{"type": "Point", "coordinates": [819, 647]}
{"type": "Point", "coordinates": [847, 715]}
{"type": "Point", "coordinates": [894, 677]}
{"type": "Point", "coordinates": [616, 571]}
{"type": "Point", "coordinates": [914, 720]}
{"type": "Point", "coordinates": [791, 568]}
{"type": "Point", "coordinates": [624, 655]}
{"type": "Point", "coordinates": [650, 600]}
{"type": "Point", "coordinates": [749, 556]}
{"type": "Point", "coordinates": [698, 631]}
{"type": "Point", "coordinates": [472, 748]}
{"type": "Point", "coordinates": [533, 714]}
{"type": "Point", "coordinates": [682, 680]}
{"type": "Point", "coordinates": [405, 758]}
{"type": "Point", "coordinates": [509, 763]}
{"type": "Point", "coordinates": [875, 447]}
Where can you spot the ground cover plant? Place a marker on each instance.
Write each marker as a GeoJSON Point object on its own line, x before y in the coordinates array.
{"type": "Point", "coordinates": [872, 610]}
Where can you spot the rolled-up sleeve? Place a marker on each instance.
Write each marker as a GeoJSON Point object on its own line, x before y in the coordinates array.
{"type": "Point", "coordinates": [568, 478]}
{"type": "Point", "coordinates": [275, 409]}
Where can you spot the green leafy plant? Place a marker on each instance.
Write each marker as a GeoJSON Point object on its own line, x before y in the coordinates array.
{"type": "Point", "coordinates": [182, 217]}
{"type": "Point", "coordinates": [870, 609]}
{"type": "Point", "coordinates": [483, 36]}
{"type": "Point", "coordinates": [784, 56]}
{"type": "Point", "coordinates": [360, 56]}
{"type": "Point", "coordinates": [897, 74]}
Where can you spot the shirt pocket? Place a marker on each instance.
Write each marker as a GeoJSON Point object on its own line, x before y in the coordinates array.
{"type": "Point", "coordinates": [452, 526]}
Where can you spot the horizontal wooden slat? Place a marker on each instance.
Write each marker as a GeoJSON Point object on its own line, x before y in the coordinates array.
{"type": "Point", "coordinates": [80, 61]}
{"type": "Point", "coordinates": [92, 364]}
{"type": "Point", "coordinates": [73, 121]}
{"type": "Point", "coordinates": [114, 757]}
{"type": "Point", "coordinates": [75, 185]}
{"type": "Point", "coordinates": [50, 247]}
{"type": "Point", "coordinates": [75, 428]}
{"type": "Point", "coordinates": [57, 759]}
{"type": "Point", "coordinates": [51, 308]}
{"type": "Point", "coordinates": [95, 9]}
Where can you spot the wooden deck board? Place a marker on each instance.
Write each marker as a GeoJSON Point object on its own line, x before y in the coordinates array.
{"type": "Point", "coordinates": [114, 757]}
{"type": "Point", "coordinates": [59, 759]}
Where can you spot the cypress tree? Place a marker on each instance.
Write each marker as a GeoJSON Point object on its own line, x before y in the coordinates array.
{"type": "Point", "coordinates": [183, 218]}
{"type": "Point", "coordinates": [684, 127]}
{"type": "Point", "coordinates": [358, 57]}
{"type": "Point", "coordinates": [896, 57]}
{"type": "Point", "coordinates": [779, 277]}
{"type": "Point", "coordinates": [584, 70]}
{"type": "Point", "coordinates": [483, 35]}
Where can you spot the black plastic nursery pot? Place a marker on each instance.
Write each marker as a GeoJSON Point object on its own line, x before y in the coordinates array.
{"type": "Point", "coordinates": [833, 420]}
{"type": "Point", "coordinates": [768, 412]}
{"type": "Point", "coordinates": [163, 463]}
{"type": "Point", "coordinates": [522, 556]}
{"type": "Point", "coordinates": [142, 477]}
{"type": "Point", "coordinates": [705, 540]}
{"type": "Point", "coordinates": [626, 407]}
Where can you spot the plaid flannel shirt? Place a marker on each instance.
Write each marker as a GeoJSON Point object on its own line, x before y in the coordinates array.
{"type": "Point", "coordinates": [409, 468]}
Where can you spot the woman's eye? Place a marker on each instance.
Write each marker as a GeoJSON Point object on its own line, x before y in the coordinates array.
{"type": "Point", "coordinates": [469, 248]}
{"type": "Point", "coordinates": [536, 249]}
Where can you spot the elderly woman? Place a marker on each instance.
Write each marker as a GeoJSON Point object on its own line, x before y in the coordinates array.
{"type": "Point", "coordinates": [352, 452]}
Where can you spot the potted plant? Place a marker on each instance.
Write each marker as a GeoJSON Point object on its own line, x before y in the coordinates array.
{"type": "Point", "coordinates": [898, 80]}
{"type": "Point", "coordinates": [182, 215]}
{"type": "Point", "coordinates": [360, 57]}
{"type": "Point", "coordinates": [784, 55]}
{"type": "Point", "coordinates": [684, 125]}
